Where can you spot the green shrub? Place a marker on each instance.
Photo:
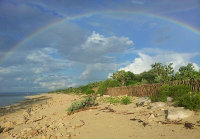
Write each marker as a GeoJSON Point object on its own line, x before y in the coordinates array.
{"type": "Point", "coordinates": [190, 101]}
{"type": "Point", "coordinates": [162, 95]}
{"type": "Point", "coordinates": [126, 100]}
{"type": "Point", "coordinates": [179, 90]}
{"type": "Point", "coordinates": [75, 106]}
{"type": "Point", "coordinates": [117, 100]}
{"type": "Point", "coordinates": [87, 102]}
{"type": "Point", "coordinates": [102, 89]}
{"type": "Point", "coordinates": [174, 91]}
{"type": "Point", "coordinates": [107, 83]}
{"type": "Point", "coordinates": [113, 100]}
{"type": "Point", "coordinates": [181, 94]}
{"type": "Point", "coordinates": [89, 91]}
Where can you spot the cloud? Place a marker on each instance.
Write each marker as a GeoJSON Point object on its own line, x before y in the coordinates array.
{"type": "Point", "coordinates": [39, 63]}
{"type": "Point", "coordinates": [76, 44]}
{"type": "Point", "coordinates": [97, 48]}
{"type": "Point", "coordinates": [98, 71]}
{"type": "Point", "coordinates": [53, 82]}
{"type": "Point", "coordinates": [44, 62]}
{"type": "Point", "coordinates": [144, 61]}
{"type": "Point", "coordinates": [8, 70]}
{"type": "Point", "coordinates": [139, 65]}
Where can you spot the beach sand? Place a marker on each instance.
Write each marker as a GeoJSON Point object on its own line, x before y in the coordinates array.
{"type": "Point", "coordinates": [46, 118]}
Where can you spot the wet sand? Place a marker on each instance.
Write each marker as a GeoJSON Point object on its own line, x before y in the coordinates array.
{"type": "Point", "coordinates": [22, 105]}
{"type": "Point", "coordinates": [47, 118]}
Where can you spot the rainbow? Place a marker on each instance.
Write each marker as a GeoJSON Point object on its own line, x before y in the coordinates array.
{"type": "Point", "coordinates": [46, 28]}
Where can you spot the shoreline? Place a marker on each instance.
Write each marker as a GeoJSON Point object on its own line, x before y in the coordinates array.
{"type": "Point", "coordinates": [23, 97]}
{"type": "Point", "coordinates": [27, 102]}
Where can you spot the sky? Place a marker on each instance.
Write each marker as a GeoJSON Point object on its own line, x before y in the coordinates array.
{"type": "Point", "coordinates": [48, 45]}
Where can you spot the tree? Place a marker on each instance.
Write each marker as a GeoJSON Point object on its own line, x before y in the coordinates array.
{"type": "Point", "coordinates": [186, 72]}
{"type": "Point", "coordinates": [149, 76]}
{"type": "Point", "coordinates": [123, 77]}
{"type": "Point", "coordinates": [163, 73]}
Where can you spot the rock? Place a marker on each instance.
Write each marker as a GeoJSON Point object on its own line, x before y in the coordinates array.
{"type": "Point", "coordinates": [32, 132]}
{"type": "Point", "coordinates": [47, 125]}
{"type": "Point", "coordinates": [106, 96]}
{"type": "Point", "coordinates": [8, 124]}
{"type": "Point", "coordinates": [53, 137]}
{"type": "Point", "coordinates": [68, 135]}
{"type": "Point", "coordinates": [151, 117]}
{"type": "Point", "coordinates": [58, 134]}
{"type": "Point", "coordinates": [26, 129]}
{"type": "Point", "coordinates": [143, 101]}
{"type": "Point", "coordinates": [60, 125]}
{"type": "Point", "coordinates": [6, 129]}
{"type": "Point", "coordinates": [1, 129]}
{"type": "Point", "coordinates": [156, 105]}
{"type": "Point", "coordinates": [169, 99]}
{"type": "Point", "coordinates": [38, 118]}
{"type": "Point", "coordinates": [178, 113]}
{"type": "Point", "coordinates": [41, 137]}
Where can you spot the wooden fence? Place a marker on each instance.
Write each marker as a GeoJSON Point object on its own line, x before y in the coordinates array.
{"type": "Point", "coordinates": [149, 89]}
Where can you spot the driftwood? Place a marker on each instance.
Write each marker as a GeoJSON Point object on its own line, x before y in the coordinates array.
{"type": "Point", "coordinates": [187, 125]}
{"type": "Point", "coordinates": [107, 109]}
{"type": "Point", "coordinates": [139, 121]}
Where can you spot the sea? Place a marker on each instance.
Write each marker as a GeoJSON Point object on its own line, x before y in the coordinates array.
{"type": "Point", "coordinates": [12, 98]}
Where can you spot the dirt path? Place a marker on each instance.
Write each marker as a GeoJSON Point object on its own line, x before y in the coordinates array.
{"type": "Point", "coordinates": [49, 120]}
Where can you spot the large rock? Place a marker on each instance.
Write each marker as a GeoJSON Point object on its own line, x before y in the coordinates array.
{"type": "Point", "coordinates": [157, 105]}
{"type": "Point", "coordinates": [178, 113]}
{"type": "Point", "coordinates": [143, 101]}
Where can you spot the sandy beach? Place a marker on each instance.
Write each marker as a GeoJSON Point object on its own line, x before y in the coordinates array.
{"type": "Point", "coordinates": [45, 117]}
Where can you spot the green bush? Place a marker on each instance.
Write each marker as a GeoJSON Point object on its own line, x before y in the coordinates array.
{"type": "Point", "coordinates": [87, 102]}
{"type": "Point", "coordinates": [178, 91]}
{"type": "Point", "coordinates": [107, 83]}
{"type": "Point", "coordinates": [113, 100]}
{"type": "Point", "coordinates": [162, 95]}
{"type": "Point", "coordinates": [102, 89]}
{"type": "Point", "coordinates": [89, 91]}
{"type": "Point", "coordinates": [181, 94]}
{"type": "Point", "coordinates": [174, 91]}
{"type": "Point", "coordinates": [75, 106]}
{"type": "Point", "coordinates": [117, 100]}
{"type": "Point", "coordinates": [126, 100]}
{"type": "Point", "coordinates": [190, 101]}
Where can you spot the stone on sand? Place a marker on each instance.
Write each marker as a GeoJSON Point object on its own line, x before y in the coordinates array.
{"type": "Point", "coordinates": [151, 117]}
{"type": "Point", "coordinates": [157, 105]}
{"type": "Point", "coordinates": [6, 129]}
{"type": "Point", "coordinates": [32, 132]}
{"type": "Point", "coordinates": [8, 124]}
{"type": "Point", "coordinates": [143, 101]}
{"type": "Point", "coordinates": [178, 113]}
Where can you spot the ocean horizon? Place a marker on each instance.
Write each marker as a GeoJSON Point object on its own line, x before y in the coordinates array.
{"type": "Point", "coordinates": [9, 98]}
